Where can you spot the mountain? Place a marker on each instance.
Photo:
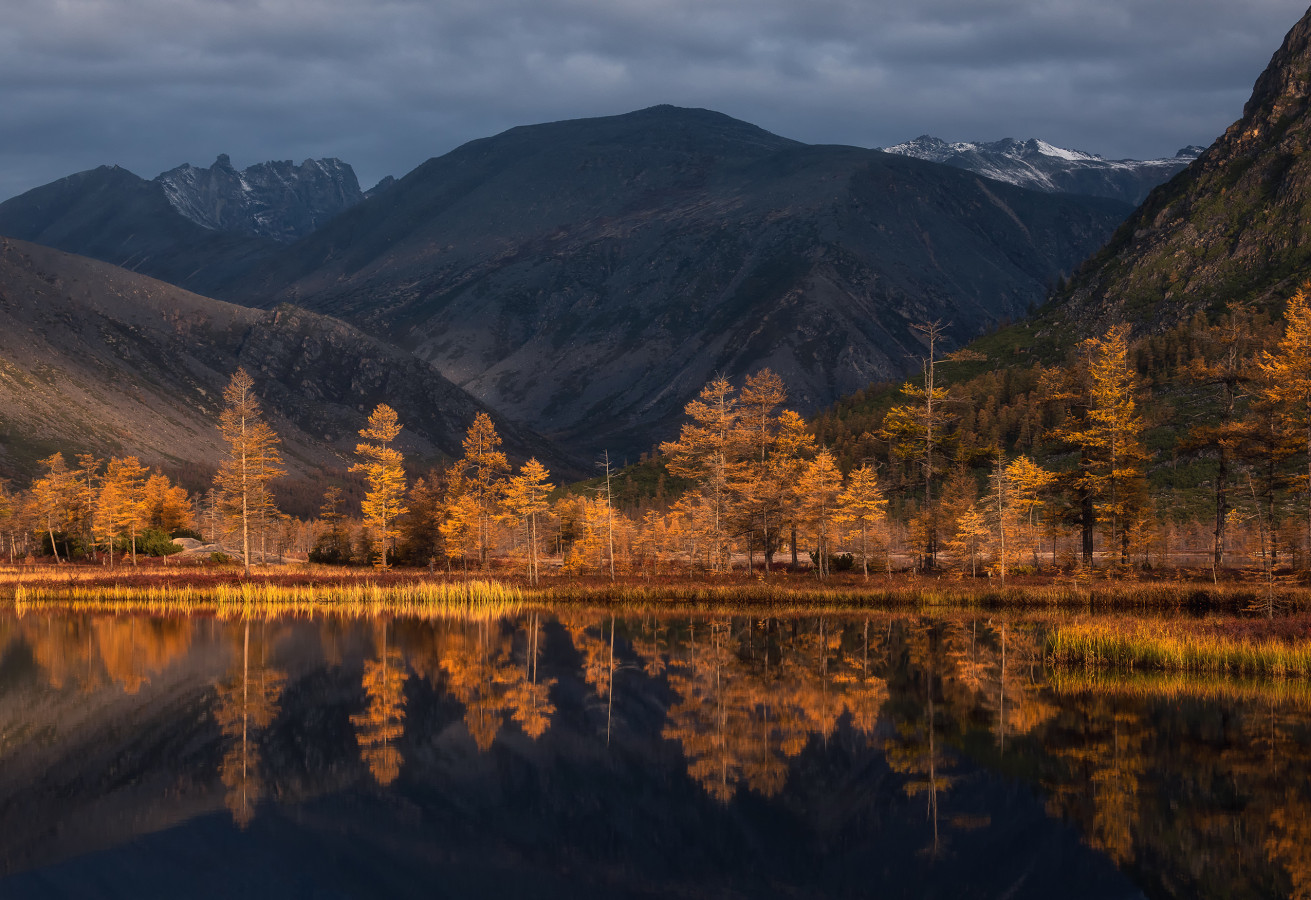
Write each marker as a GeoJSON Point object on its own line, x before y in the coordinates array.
{"type": "Point", "coordinates": [115, 216]}
{"type": "Point", "coordinates": [588, 277]}
{"type": "Point", "coordinates": [99, 359]}
{"type": "Point", "coordinates": [1038, 165]}
{"type": "Point", "coordinates": [275, 200]}
{"type": "Point", "coordinates": [1236, 225]}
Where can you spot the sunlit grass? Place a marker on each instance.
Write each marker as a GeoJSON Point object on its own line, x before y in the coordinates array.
{"type": "Point", "coordinates": [256, 599]}
{"type": "Point", "coordinates": [1232, 647]}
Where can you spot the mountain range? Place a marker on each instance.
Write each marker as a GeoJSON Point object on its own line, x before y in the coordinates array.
{"type": "Point", "coordinates": [1043, 167]}
{"type": "Point", "coordinates": [587, 277]}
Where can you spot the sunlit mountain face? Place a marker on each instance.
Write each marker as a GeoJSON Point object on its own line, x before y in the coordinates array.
{"type": "Point", "coordinates": [582, 752]}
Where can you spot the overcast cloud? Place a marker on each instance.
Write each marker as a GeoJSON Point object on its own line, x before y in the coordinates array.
{"type": "Point", "coordinates": [386, 84]}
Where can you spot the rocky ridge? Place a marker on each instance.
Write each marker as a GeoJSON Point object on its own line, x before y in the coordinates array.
{"type": "Point", "coordinates": [1041, 166]}
{"type": "Point", "coordinates": [1235, 226]}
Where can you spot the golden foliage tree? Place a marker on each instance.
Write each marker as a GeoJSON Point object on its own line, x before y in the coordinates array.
{"type": "Point", "coordinates": [1285, 383]}
{"type": "Point", "coordinates": [525, 498]}
{"type": "Point", "coordinates": [52, 497]}
{"type": "Point", "coordinates": [483, 468]}
{"type": "Point", "coordinates": [120, 507]}
{"type": "Point", "coordinates": [252, 460]}
{"type": "Point", "coordinates": [384, 474]}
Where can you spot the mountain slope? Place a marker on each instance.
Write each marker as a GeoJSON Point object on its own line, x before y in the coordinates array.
{"type": "Point", "coordinates": [588, 277]}
{"type": "Point", "coordinates": [1038, 165]}
{"type": "Point", "coordinates": [94, 358]}
{"type": "Point", "coordinates": [114, 216]}
{"type": "Point", "coordinates": [1236, 225]}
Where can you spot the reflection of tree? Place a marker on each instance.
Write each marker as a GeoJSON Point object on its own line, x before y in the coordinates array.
{"type": "Point", "coordinates": [915, 748]}
{"type": "Point", "coordinates": [246, 705]}
{"type": "Point", "coordinates": [127, 651]}
{"type": "Point", "coordinates": [1105, 759]}
{"type": "Point", "coordinates": [482, 672]}
{"type": "Point", "coordinates": [380, 726]}
{"type": "Point", "coordinates": [751, 700]}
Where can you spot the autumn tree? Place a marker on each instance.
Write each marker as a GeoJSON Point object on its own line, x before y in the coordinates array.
{"type": "Point", "coordinates": [166, 506]}
{"type": "Point", "coordinates": [384, 474]}
{"type": "Point", "coordinates": [1110, 478]}
{"type": "Point", "coordinates": [823, 487]}
{"type": "Point", "coordinates": [708, 450]}
{"type": "Point", "coordinates": [525, 498]}
{"type": "Point", "coordinates": [252, 460]}
{"type": "Point", "coordinates": [333, 543]}
{"type": "Point", "coordinates": [52, 497]}
{"type": "Point", "coordinates": [120, 507]}
{"type": "Point", "coordinates": [1028, 483]}
{"type": "Point", "coordinates": [915, 431]}
{"type": "Point", "coordinates": [1285, 383]}
{"type": "Point", "coordinates": [863, 504]}
{"type": "Point", "coordinates": [483, 470]}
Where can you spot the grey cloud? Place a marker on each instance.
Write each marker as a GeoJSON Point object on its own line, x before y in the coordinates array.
{"type": "Point", "coordinates": [149, 84]}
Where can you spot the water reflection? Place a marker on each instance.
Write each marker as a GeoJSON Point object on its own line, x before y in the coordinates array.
{"type": "Point", "coordinates": [815, 756]}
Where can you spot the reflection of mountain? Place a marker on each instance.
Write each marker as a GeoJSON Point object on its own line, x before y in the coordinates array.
{"type": "Point", "coordinates": [744, 757]}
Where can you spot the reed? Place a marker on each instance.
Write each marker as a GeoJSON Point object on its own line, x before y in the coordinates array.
{"type": "Point", "coordinates": [1166, 645]}
{"type": "Point", "coordinates": [255, 599]}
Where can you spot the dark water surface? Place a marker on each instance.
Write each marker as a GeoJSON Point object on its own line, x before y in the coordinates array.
{"type": "Point", "coordinates": [579, 755]}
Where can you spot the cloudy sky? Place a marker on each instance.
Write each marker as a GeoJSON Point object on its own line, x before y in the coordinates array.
{"type": "Point", "coordinates": [386, 84]}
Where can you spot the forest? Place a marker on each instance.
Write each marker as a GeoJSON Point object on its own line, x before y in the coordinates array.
{"type": "Point", "coordinates": [1186, 449]}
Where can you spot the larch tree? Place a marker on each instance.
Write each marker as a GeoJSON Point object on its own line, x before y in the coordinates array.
{"type": "Point", "coordinates": [483, 468]}
{"type": "Point", "coordinates": [862, 503]}
{"type": "Point", "coordinates": [708, 450]}
{"type": "Point", "coordinates": [823, 487]}
{"type": "Point", "coordinates": [52, 497]}
{"type": "Point", "coordinates": [384, 474]}
{"type": "Point", "coordinates": [121, 507]}
{"type": "Point", "coordinates": [1285, 383]}
{"type": "Point", "coordinates": [915, 431]}
{"type": "Point", "coordinates": [1110, 478]}
{"type": "Point", "coordinates": [1028, 483]}
{"type": "Point", "coordinates": [525, 497]}
{"type": "Point", "coordinates": [252, 460]}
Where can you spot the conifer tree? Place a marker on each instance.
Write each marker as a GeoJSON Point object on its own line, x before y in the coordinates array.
{"type": "Point", "coordinates": [52, 497]}
{"type": "Point", "coordinates": [863, 503]}
{"type": "Point", "coordinates": [120, 508]}
{"type": "Point", "coordinates": [483, 470]}
{"type": "Point", "coordinates": [823, 487]}
{"type": "Point", "coordinates": [252, 460]}
{"type": "Point", "coordinates": [384, 473]}
{"type": "Point", "coordinates": [709, 450]}
{"type": "Point", "coordinates": [1285, 383]}
{"type": "Point", "coordinates": [525, 497]}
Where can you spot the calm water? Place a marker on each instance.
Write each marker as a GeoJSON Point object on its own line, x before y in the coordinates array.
{"type": "Point", "coordinates": [576, 755]}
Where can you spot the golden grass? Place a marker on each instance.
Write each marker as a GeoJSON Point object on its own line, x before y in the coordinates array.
{"type": "Point", "coordinates": [255, 599]}
{"type": "Point", "coordinates": [1188, 646]}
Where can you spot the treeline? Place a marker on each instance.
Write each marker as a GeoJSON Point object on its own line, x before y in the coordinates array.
{"type": "Point", "coordinates": [1123, 455]}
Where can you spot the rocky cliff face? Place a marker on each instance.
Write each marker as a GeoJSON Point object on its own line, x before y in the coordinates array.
{"type": "Point", "coordinates": [113, 215]}
{"type": "Point", "coordinates": [275, 200]}
{"type": "Point", "coordinates": [1236, 225]}
{"type": "Point", "coordinates": [1042, 167]}
{"type": "Point", "coordinates": [589, 277]}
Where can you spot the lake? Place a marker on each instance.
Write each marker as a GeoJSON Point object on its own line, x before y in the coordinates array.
{"type": "Point", "coordinates": [571, 754]}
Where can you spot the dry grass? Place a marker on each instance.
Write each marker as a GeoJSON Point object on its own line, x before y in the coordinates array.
{"type": "Point", "coordinates": [1278, 648]}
